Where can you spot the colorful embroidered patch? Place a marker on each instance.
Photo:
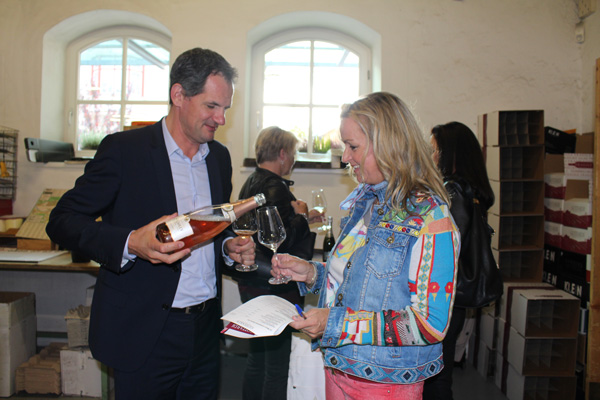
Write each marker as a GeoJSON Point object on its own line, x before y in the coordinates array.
{"type": "Point", "coordinates": [400, 228]}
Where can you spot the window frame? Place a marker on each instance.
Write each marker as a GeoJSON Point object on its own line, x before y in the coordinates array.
{"type": "Point", "coordinates": [72, 55]}
{"type": "Point", "coordinates": [280, 38]}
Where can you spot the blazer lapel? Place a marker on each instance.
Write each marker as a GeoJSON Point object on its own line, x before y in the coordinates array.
{"type": "Point", "coordinates": [215, 179]}
{"type": "Point", "coordinates": [162, 169]}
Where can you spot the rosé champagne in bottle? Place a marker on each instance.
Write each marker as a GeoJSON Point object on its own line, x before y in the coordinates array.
{"type": "Point", "coordinates": [205, 223]}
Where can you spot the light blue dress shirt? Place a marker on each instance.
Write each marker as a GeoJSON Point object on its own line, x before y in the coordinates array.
{"type": "Point", "coordinates": [198, 280]}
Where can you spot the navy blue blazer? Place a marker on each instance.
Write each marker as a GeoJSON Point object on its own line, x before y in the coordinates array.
{"type": "Point", "coordinates": [129, 184]}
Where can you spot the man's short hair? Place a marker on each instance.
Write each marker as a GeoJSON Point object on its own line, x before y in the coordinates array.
{"type": "Point", "coordinates": [193, 67]}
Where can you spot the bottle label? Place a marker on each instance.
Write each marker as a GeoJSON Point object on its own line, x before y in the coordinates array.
{"type": "Point", "coordinates": [180, 227]}
{"type": "Point", "coordinates": [228, 212]}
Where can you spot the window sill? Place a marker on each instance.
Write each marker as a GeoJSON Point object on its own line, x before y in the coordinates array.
{"type": "Point", "coordinates": [251, 163]}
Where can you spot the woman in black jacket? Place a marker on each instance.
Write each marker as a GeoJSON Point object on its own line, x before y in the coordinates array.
{"type": "Point", "coordinates": [268, 359]}
{"type": "Point", "coordinates": [458, 155]}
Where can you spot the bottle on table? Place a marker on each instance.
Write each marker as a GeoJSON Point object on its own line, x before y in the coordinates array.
{"type": "Point", "coordinates": [205, 223]}
{"type": "Point", "coordinates": [329, 241]}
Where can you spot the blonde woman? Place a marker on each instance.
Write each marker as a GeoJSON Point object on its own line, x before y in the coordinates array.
{"type": "Point", "coordinates": [386, 292]}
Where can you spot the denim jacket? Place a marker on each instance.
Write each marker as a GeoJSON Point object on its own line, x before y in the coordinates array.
{"type": "Point", "coordinates": [378, 277]}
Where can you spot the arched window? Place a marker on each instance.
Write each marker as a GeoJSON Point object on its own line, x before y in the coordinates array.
{"type": "Point", "coordinates": [116, 76]}
{"type": "Point", "coordinates": [300, 78]}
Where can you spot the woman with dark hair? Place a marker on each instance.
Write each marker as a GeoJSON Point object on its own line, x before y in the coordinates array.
{"type": "Point", "coordinates": [458, 156]}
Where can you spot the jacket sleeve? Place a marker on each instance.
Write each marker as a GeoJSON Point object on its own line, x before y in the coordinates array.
{"type": "Point", "coordinates": [433, 262]}
{"type": "Point", "coordinates": [74, 223]}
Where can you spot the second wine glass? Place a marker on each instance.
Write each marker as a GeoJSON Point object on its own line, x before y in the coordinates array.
{"type": "Point", "coordinates": [271, 233]}
{"type": "Point", "coordinates": [246, 225]}
{"type": "Point", "coordinates": [319, 203]}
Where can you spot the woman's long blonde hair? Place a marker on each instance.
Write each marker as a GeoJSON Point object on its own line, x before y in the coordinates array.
{"type": "Point", "coordinates": [402, 154]}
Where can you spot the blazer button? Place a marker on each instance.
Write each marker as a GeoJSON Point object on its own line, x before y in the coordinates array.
{"type": "Point", "coordinates": [165, 307]}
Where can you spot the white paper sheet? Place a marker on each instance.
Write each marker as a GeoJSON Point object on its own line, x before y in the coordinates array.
{"type": "Point", "coordinates": [264, 316]}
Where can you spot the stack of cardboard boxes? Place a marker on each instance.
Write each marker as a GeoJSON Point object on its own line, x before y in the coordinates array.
{"type": "Point", "coordinates": [18, 327]}
{"type": "Point", "coordinates": [527, 341]}
{"type": "Point", "coordinates": [568, 232]}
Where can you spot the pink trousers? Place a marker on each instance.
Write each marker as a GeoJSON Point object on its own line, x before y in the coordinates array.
{"type": "Point", "coordinates": [341, 386]}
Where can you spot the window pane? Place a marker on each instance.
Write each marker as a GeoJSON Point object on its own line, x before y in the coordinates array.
{"type": "Point", "coordinates": [100, 69]}
{"type": "Point", "coordinates": [141, 112]}
{"type": "Point", "coordinates": [335, 74]}
{"type": "Point", "coordinates": [147, 71]}
{"type": "Point", "coordinates": [325, 127]}
{"type": "Point", "coordinates": [293, 119]}
{"type": "Point", "coordinates": [95, 121]}
{"type": "Point", "coordinates": [287, 74]}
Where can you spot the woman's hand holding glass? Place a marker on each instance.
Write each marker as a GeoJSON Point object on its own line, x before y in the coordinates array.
{"type": "Point", "coordinates": [271, 233]}
{"type": "Point", "coordinates": [297, 268]}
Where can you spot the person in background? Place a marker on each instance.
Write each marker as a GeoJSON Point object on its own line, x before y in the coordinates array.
{"type": "Point", "coordinates": [387, 289]}
{"type": "Point", "coordinates": [156, 309]}
{"type": "Point", "coordinates": [268, 360]}
{"type": "Point", "coordinates": [458, 156]}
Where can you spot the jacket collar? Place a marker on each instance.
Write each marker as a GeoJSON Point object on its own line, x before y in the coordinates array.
{"type": "Point", "coordinates": [263, 171]}
{"type": "Point", "coordinates": [365, 191]}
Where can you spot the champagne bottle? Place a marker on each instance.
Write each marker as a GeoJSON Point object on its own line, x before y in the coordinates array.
{"type": "Point", "coordinates": [205, 223]}
{"type": "Point", "coordinates": [329, 240]}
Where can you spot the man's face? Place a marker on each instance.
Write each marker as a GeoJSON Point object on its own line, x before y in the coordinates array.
{"type": "Point", "coordinates": [201, 115]}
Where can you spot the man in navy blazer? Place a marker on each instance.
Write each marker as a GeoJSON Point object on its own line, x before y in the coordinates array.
{"type": "Point", "coordinates": [156, 309]}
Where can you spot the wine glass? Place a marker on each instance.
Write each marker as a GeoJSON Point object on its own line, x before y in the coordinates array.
{"type": "Point", "coordinates": [319, 202]}
{"type": "Point", "coordinates": [246, 226]}
{"type": "Point", "coordinates": [271, 233]}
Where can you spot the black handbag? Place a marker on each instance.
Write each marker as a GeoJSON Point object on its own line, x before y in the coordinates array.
{"type": "Point", "coordinates": [479, 281]}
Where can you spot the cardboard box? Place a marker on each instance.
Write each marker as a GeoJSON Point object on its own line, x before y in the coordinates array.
{"type": "Point", "coordinates": [81, 374]}
{"type": "Point", "coordinates": [542, 313]}
{"type": "Point", "coordinates": [486, 360]}
{"type": "Point", "coordinates": [577, 208]}
{"type": "Point", "coordinates": [553, 234]}
{"type": "Point", "coordinates": [559, 142]}
{"type": "Point", "coordinates": [518, 197]}
{"type": "Point", "coordinates": [519, 387]}
{"type": "Point", "coordinates": [78, 325]}
{"type": "Point", "coordinates": [555, 185]}
{"type": "Point", "coordinates": [576, 240]}
{"type": "Point", "coordinates": [509, 289]}
{"type": "Point", "coordinates": [576, 264]}
{"type": "Point", "coordinates": [579, 166]}
{"type": "Point", "coordinates": [505, 163]}
{"type": "Point", "coordinates": [18, 327]}
{"type": "Point", "coordinates": [520, 265]}
{"type": "Point", "coordinates": [488, 326]}
{"type": "Point", "coordinates": [41, 373]}
{"type": "Point", "coordinates": [575, 285]}
{"type": "Point", "coordinates": [511, 128]}
{"type": "Point", "coordinates": [553, 210]}
{"type": "Point", "coordinates": [541, 357]}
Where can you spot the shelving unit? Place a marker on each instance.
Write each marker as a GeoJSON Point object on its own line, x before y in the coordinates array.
{"type": "Point", "coordinates": [8, 168]}
{"type": "Point", "coordinates": [514, 148]}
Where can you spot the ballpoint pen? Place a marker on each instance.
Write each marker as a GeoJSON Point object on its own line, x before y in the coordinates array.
{"type": "Point", "coordinates": [300, 312]}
